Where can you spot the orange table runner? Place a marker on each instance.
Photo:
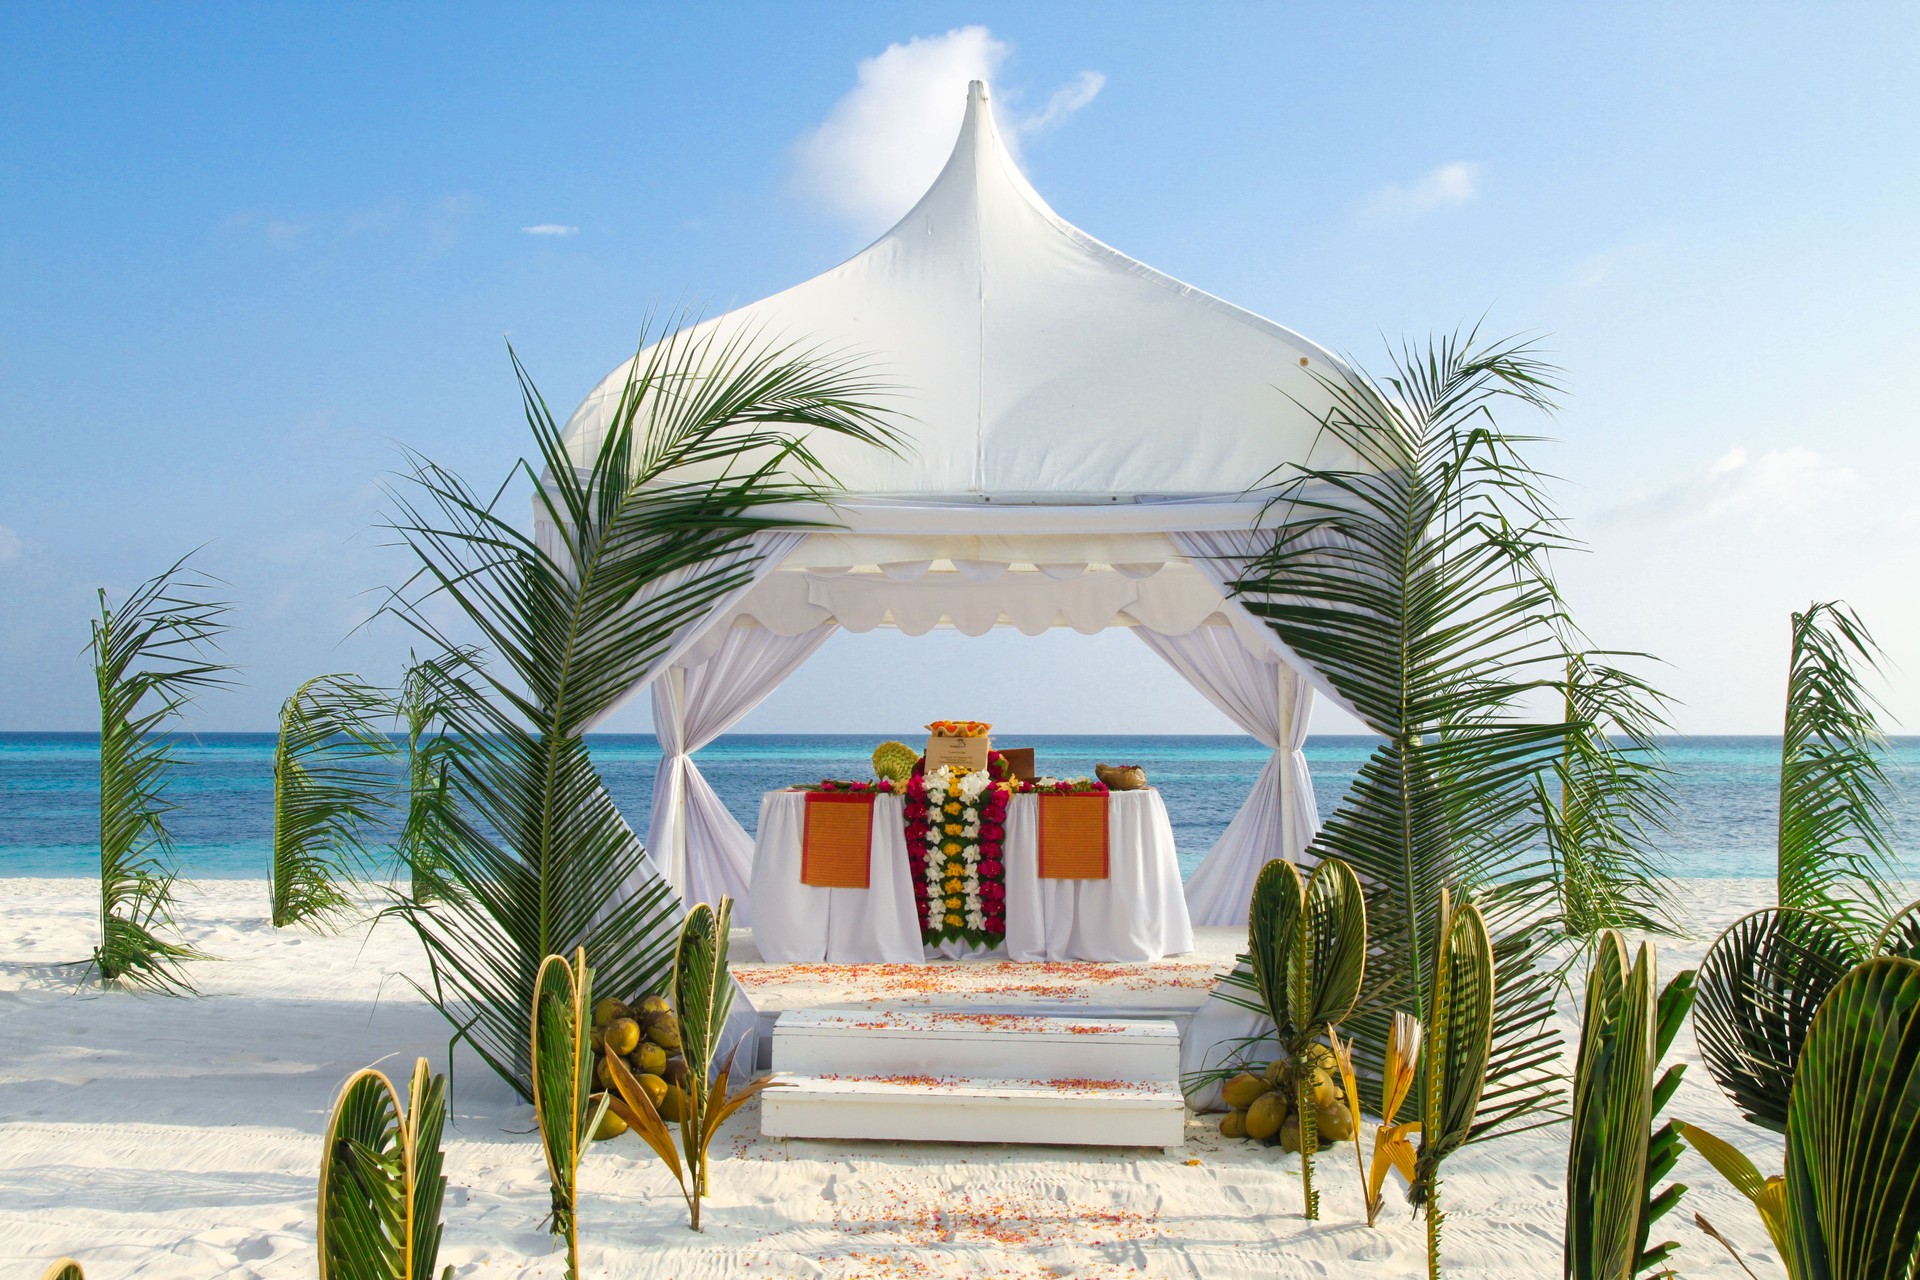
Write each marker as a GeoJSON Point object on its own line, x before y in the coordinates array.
{"type": "Point", "coordinates": [836, 843]}
{"type": "Point", "coordinates": [1073, 837]}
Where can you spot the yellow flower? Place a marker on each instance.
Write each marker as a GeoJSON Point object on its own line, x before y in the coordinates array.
{"type": "Point", "coordinates": [950, 848]}
{"type": "Point", "coordinates": [955, 884]}
{"type": "Point", "coordinates": [953, 903]}
{"type": "Point", "coordinates": [953, 918]}
{"type": "Point", "coordinates": [952, 806]}
{"type": "Point", "coordinates": [954, 828]}
{"type": "Point", "coordinates": [955, 869]}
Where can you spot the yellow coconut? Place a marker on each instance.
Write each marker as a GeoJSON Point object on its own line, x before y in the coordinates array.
{"type": "Point", "coordinates": [673, 1104]}
{"type": "Point", "coordinates": [1233, 1124]}
{"type": "Point", "coordinates": [1290, 1134]}
{"type": "Point", "coordinates": [1266, 1115]}
{"type": "Point", "coordinates": [656, 1090]}
{"type": "Point", "coordinates": [651, 1060]}
{"type": "Point", "coordinates": [1334, 1123]}
{"type": "Point", "coordinates": [654, 1004]}
{"type": "Point", "coordinates": [677, 1072]}
{"type": "Point", "coordinates": [665, 1031]}
{"type": "Point", "coordinates": [622, 1035]}
{"type": "Point", "coordinates": [1278, 1072]}
{"type": "Point", "coordinates": [611, 1126]}
{"type": "Point", "coordinates": [605, 1011]}
{"type": "Point", "coordinates": [1243, 1090]}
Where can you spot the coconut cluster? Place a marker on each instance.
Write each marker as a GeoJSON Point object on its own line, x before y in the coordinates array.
{"type": "Point", "coordinates": [1264, 1102]}
{"type": "Point", "coordinates": [646, 1034]}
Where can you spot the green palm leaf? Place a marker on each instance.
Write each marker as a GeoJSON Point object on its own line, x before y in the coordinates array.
{"type": "Point", "coordinates": [64, 1269]}
{"type": "Point", "coordinates": [702, 998]}
{"type": "Point", "coordinates": [1853, 1164]}
{"type": "Point", "coordinates": [1900, 936]}
{"type": "Point", "coordinates": [565, 1106]}
{"type": "Point", "coordinates": [149, 660]}
{"type": "Point", "coordinates": [1761, 984]}
{"type": "Point", "coordinates": [381, 1185]}
{"type": "Point", "coordinates": [1459, 1042]}
{"type": "Point", "coordinates": [1610, 803]}
{"type": "Point", "coordinates": [328, 787]}
{"type": "Point", "coordinates": [1416, 580]}
{"type": "Point", "coordinates": [1835, 845]}
{"type": "Point", "coordinates": [1614, 1158]}
{"type": "Point", "coordinates": [427, 749]}
{"type": "Point", "coordinates": [651, 528]}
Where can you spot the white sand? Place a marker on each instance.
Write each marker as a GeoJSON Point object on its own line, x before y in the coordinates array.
{"type": "Point", "coordinates": [164, 1137]}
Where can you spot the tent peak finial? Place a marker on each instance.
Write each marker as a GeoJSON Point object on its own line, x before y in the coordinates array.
{"type": "Point", "coordinates": [977, 90]}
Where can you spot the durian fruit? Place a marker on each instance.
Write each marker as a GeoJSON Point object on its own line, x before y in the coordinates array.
{"type": "Point", "coordinates": [649, 1060]}
{"type": "Point", "coordinates": [622, 1035]}
{"type": "Point", "coordinates": [1233, 1124]}
{"type": "Point", "coordinates": [611, 1126]}
{"type": "Point", "coordinates": [605, 1011]}
{"type": "Point", "coordinates": [1243, 1090]}
{"type": "Point", "coordinates": [894, 761]}
{"type": "Point", "coordinates": [1266, 1115]}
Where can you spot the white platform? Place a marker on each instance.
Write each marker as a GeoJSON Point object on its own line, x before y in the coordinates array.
{"type": "Point", "coordinates": [975, 1077]}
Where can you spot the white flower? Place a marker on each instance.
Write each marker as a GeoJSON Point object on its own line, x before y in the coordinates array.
{"type": "Point", "coordinates": [972, 785]}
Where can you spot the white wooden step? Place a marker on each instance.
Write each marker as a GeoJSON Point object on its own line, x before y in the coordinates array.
{"type": "Point", "coordinates": [1106, 1112]}
{"type": "Point", "coordinates": [1028, 1046]}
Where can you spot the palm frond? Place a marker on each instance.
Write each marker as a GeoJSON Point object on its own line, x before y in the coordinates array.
{"type": "Point", "coordinates": [710, 445]}
{"type": "Point", "coordinates": [1610, 803]}
{"type": "Point", "coordinates": [427, 748]}
{"type": "Point", "coordinates": [1761, 983]}
{"type": "Point", "coordinates": [1835, 846]}
{"type": "Point", "coordinates": [328, 787]}
{"type": "Point", "coordinates": [1417, 580]}
{"type": "Point", "coordinates": [150, 657]}
{"type": "Point", "coordinates": [381, 1185]}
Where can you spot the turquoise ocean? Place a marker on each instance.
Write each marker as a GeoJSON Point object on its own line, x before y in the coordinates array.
{"type": "Point", "coordinates": [224, 791]}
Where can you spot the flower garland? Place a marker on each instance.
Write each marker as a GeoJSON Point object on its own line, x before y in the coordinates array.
{"type": "Point", "coordinates": [956, 825]}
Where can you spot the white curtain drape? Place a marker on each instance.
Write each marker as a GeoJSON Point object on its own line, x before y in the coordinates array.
{"type": "Point", "coordinates": [691, 837]}
{"type": "Point", "coordinates": [1267, 699]}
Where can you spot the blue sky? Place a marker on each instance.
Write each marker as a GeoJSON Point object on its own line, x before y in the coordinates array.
{"type": "Point", "coordinates": [246, 253]}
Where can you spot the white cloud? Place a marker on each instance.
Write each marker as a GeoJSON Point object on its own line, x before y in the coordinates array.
{"type": "Point", "coordinates": [882, 144]}
{"type": "Point", "coordinates": [1450, 184]}
{"type": "Point", "coordinates": [551, 229]}
{"type": "Point", "coordinates": [1740, 486]}
{"type": "Point", "coordinates": [10, 545]}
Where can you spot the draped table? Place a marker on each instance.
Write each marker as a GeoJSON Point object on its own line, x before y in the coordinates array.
{"type": "Point", "coordinates": [1138, 913]}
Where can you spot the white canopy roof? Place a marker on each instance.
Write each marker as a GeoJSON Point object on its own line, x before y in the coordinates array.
{"type": "Point", "coordinates": [1034, 363]}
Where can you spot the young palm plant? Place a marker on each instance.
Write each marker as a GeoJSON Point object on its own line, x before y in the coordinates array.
{"type": "Point", "coordinates": [381, 1185]}
{"type": "Point", "coordinates": [1416, 579]}
{"type": "Point", "coordinates": [1614, 1156]}
{"type": "Point", "coordinates": [1460, 994]}
{"type": "Point", "coordinates": [1607, 803]}
{"type": "Point", "coordinates": [1307, 943]}
{"type": "Point", "coordinates": [703, 996]}
{"type": "Point", "coordinates": [651, 527]}
{"type": "Point", "coordinates": [149, 660]}
{"type": "Point", "coordinates": [328, 787]}
{"type": "Point", "coordinates": [566, 1108]}
{"type": "Point", "coordinates": [1835, 841]}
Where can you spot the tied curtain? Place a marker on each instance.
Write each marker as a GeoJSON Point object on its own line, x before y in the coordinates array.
{"type": "Point", "coordinates": [696, 843]}
{"type": "Point", "coordinates": [1269, 700]}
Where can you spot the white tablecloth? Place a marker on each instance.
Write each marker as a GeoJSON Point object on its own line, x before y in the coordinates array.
{"type": "Point", "coordinates": [796, 923]}
{"type": "Point", "coordinates": [1139, 912]}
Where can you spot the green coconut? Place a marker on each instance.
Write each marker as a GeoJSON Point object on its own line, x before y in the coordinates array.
{"type": "Point", "coordinates": [894, 761]}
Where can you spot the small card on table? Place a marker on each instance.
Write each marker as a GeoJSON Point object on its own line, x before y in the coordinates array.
{"type": "Point", "coordinates": [836, 841]}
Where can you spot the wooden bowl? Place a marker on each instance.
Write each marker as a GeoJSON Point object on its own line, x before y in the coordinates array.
{"type": "Point", "coordinates": [1121, 777]}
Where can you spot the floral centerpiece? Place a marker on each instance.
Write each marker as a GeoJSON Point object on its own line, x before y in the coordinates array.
{"type": "Point", "coordinates": [956, 827]}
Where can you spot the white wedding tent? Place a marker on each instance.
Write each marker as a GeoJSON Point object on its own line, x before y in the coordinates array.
{"type": "Point", "coordinates": [1083, 438]}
